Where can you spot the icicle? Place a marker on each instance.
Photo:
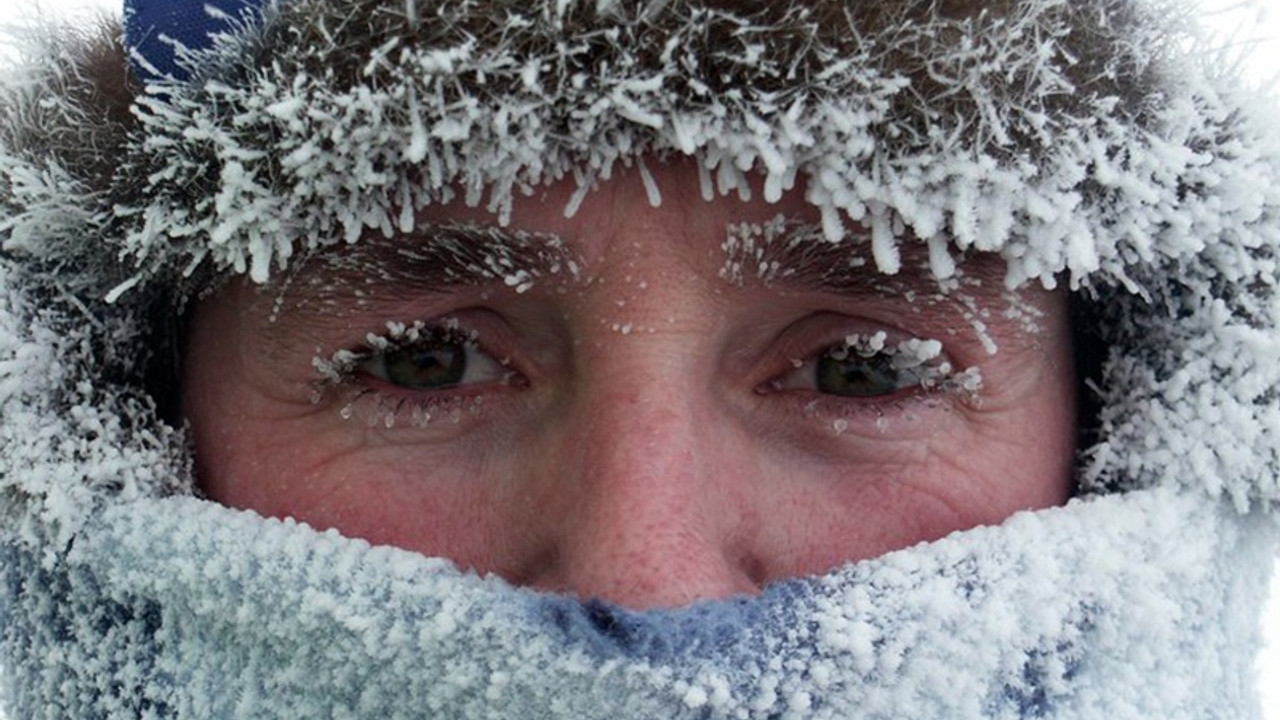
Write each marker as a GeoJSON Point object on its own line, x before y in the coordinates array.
{"type": "Point", "coordinates": [705, 184]}
{"type": "Point", "coordinates": [579, 194]}
{"type": "Point", "coordinates": [418, 136]}
{"type": "Point", "coordinates": [940, 260]}
{"type": "Point", "coordinates": [884, 245]}
{"type": "Point", "coordinates": [832, 225]}
{"type": "Point", "coordinates": [650, 185]}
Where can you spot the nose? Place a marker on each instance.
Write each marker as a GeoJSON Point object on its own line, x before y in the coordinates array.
{"type": "Point", "coordinates": [653, 521]}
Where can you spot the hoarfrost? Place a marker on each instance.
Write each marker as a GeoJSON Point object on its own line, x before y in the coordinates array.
{"type": "Point", "coordinates": [1167, 217]}
{"type": "Point", "coordinates": [831, 136]}
{"type": "Point", "coordinates": [879, 637]}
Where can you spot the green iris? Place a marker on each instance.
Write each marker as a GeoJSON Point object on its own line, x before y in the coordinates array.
{"type": "Point", "coordinates": [436, 366]}
{"type": "Point", "coordinates": [855, 376]}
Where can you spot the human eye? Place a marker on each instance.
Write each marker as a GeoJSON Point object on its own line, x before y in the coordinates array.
{"type": "Point", "coordinates": [413, 375]}
{"type": "Point", "coordinates": [430, 359]}
{"type": "Point", "coordinates": [872, 366]}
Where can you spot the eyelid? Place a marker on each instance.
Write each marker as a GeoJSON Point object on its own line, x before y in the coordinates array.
{"type": "Point", "coordinates": [923, 362]}
{"type": "Point", "coordinates": [425, 414]}
{"type": "Point", "coordinates": [911, 359]}
{"type": "Point", "coordinates": [479, 367]}
{"type": "Point", "coordinates": [817, 333]}
{"type": "Point", "coordinates": [344, 364]}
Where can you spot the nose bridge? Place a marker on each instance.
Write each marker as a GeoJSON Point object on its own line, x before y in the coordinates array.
{"type": "Point", "coordinates": [642, 431]}
{"type": "Point", "coordinates": [648, 524]}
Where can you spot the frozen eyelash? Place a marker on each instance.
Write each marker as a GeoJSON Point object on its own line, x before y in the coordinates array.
{"type": "Point", "coordinates": [336, 368]}
{"type": "Point", "coordinates": [339, 366]}
{"type": "Point", "coordinates": [389, 413]}
{"type": "Point", "coordinates": [915, 359]}
{"type": "Point", "coordinates": [380, 410]}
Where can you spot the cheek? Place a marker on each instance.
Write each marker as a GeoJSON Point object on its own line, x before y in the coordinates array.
{"type": "Point", "coordinates": [275, 452]}
{"type": "Point", "coordinates": [314, 472]}
{"type": "Point", "coordinates": [985, 466]}
{"type": "Point", "coordinates": [862, 511]}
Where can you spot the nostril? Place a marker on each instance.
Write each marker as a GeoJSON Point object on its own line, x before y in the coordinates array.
{"type": "Point", "coordinates": [755, 572]}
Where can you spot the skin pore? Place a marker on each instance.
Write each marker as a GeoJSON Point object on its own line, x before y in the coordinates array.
{"type": "Point", "coordinates": [627, 404]}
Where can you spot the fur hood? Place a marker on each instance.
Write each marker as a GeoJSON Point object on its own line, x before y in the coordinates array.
{"type": "Point", "coordinates": [1084, 142]}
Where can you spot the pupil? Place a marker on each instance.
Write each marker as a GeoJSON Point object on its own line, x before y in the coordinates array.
{"type": "Point", "coordinates": [430, 367]}
{"type": "Point", "coordinates": [856, 376]}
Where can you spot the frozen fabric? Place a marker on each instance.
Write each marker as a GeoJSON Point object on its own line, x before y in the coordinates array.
{"type": "Point", "coordinates": [1084, 142]}
{"type": "Point", "coordinates": [206, 612]}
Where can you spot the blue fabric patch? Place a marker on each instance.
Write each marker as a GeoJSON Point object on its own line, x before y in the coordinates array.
{"type": "Point", "coordinates": [703, 630]}
{"type": "Point", "coordinates": [153, 27]}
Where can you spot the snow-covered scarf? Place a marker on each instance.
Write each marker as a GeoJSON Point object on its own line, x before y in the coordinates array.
{"type": "Point", "coordinates": [1084, 140]}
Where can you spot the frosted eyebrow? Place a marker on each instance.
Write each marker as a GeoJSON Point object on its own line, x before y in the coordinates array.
{"type": "Point", "coordinates": [433, 259]}
{"type": "Point", "coordinates": [798, 256]}
{"type": "Point", "coordinates": [331, 286]}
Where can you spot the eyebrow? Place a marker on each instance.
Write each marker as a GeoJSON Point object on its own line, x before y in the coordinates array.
{"type": "Point", "coordinates": [334, 283]}
{"type": "Point", "coordinates": [798, 256]}
{"type": "Point", "coordinates": [438, 258]}
{"type": "Point", "coordinates": [441, 258]}
{"type": "Point", "coordinates": [434, 258]}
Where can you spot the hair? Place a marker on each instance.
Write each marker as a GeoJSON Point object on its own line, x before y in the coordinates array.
{"type": "Point", "coordinates": [86, 67]}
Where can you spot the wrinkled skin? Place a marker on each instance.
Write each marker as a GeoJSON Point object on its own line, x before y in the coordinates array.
{"type": "Point", "coordinates": [647, 429]}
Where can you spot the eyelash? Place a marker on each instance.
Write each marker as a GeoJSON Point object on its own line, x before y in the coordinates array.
{"type": "Point", "coordinates": [382, 402]}
{"type": "Point", "coordinates": [920, 361]}
{"type": "Point", "coordinates": [927, 375]}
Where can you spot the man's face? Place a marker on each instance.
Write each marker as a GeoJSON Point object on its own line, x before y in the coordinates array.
{"type": "Point", "coordinates": [649, 405]}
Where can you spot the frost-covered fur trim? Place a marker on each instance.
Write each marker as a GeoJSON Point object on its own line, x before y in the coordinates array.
{"type": "Point", "coordinates": [71, 435]}
{"type": "Point", "coordinates": [79, 421]}
{"type": "Point", "coordinates": [1050, 131]}
{"type": "Point", "coordinates": [184, 609]}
